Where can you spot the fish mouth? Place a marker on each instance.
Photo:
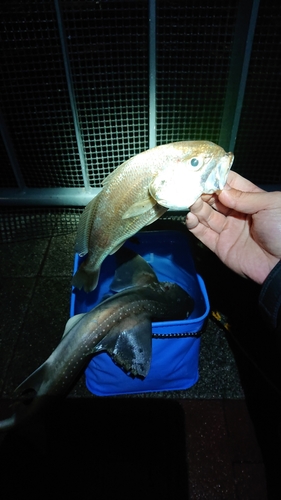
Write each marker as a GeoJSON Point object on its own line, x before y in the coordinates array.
{"type": "Point", "coordinates": [224, 168]}
{"type": "Point", "coordinates": [218, 177]}
{"type": "Point", "coordinates": [230, 157]}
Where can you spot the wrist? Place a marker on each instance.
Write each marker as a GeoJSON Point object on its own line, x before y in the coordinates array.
{"type": "Point", "coordinates": [270, 297]}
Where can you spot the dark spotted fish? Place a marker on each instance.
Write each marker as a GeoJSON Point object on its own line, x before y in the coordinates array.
{"type": "Point", "coordinates": [120, 325]}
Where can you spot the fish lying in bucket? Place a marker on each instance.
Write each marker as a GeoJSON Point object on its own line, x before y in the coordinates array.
{"type": "Point", "coordinates": [120, 325]}
{"type": "Point", "coordinates": [139, 191]}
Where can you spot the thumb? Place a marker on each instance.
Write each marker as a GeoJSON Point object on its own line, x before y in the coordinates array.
{"type": "Point", "coordinates": [248, 202]}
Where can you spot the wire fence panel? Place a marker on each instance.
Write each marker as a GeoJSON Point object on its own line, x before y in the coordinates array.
{"type": "Point", "coordinates": [194, 42]}
{"type": "Point", "coordinates": [87, 84]}
{"type": "Point", "coordinates": [257, 154]}
{"type": "Point", "coordinates": [108, 50]}
{"type": "Point", "coordinates": [34, 97]}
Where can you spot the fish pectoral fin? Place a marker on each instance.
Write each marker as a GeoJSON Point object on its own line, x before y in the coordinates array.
{"type": "Point", "coordinates": [72, 322]}
{"type": "Point", "coordinates": [140, 207]}
{"type": "Point", "coordinates": [130, 345]}
{"type": "Point", "coordinates": [158, 211]}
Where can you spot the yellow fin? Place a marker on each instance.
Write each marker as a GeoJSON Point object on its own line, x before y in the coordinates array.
{"type": "Point", "coordinates": [140, 207]}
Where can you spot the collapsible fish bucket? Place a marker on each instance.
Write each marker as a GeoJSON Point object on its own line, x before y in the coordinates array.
{"type": "Point", "coordinates": [175, 344]}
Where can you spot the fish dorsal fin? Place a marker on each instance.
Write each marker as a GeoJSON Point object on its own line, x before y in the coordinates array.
{"type": "Point", "coordinates": [84, 229]}
{"type": "Point", "coordinates": [115, 172]}
{"type": "Point", "coordinates": [130, 344]}
{"type": "Point", "coordinates": [72, 322]}
{"type": "Point", "coordinates": [132, 270]}
{"type": "Point", "coordinates": [140, 207]}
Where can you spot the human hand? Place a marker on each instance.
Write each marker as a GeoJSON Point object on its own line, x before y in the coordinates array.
{"type": "Point", "coordinates": [242, 225]}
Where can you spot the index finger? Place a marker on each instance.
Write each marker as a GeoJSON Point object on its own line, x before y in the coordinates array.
{"type": "Point", "coordinates": [206, 216]}
{"type": "Point", "coordinates": [236, 181]}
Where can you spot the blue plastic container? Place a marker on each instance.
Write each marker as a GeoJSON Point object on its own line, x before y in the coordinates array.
{"type": "Point", "coordinates": [175, 357]}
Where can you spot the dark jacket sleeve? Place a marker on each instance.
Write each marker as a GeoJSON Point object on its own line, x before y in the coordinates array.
{"type": "Point", "coordinates": [270, 298]}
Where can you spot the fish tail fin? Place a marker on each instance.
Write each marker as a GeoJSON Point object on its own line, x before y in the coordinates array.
{"type": "Point", "coordinates": [26, 403]}
{"type": "Point", "coordinates": [33, 382]}
{"type": "Point", "coordinates": [8, 423]}
{"type": "Point", "coordinates": [85, 279]}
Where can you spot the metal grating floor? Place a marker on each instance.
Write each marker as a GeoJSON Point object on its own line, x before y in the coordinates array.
{"type": "Point", "coordinates": [24, 223]}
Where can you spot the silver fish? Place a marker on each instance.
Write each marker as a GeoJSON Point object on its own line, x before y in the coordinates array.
{"type": "Point", "coordinates": [120, 325]}
{"type": "Point", "coordinates": [139, 191]}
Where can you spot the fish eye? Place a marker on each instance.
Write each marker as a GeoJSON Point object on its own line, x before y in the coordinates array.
{"type": "Point", "coordinates": [194, 162]}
